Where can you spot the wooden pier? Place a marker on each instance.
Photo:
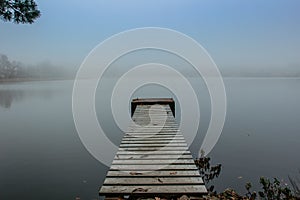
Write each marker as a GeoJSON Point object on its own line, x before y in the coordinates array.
{"type": "Point", "coordinates": [153, 159]}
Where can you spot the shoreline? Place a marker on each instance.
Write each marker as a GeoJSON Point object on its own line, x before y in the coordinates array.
{"type": "Point", "coordinates": [18, 80]}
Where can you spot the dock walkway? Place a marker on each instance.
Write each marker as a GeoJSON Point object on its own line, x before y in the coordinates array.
{"type": "Point", "coordinates": [153, 158]}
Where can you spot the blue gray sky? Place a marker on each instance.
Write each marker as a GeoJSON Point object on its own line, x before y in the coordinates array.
{"type": "Point", "coordinates": [237, 34]}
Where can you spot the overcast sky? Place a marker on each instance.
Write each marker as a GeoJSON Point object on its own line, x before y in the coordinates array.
{"type": "Point", "coordinates": [238, 34]}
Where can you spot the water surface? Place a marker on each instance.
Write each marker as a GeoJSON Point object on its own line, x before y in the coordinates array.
{"type": "Point", "coordinates": [42, 157]}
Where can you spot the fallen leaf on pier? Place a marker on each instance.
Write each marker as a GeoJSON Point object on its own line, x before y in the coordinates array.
{"type": "Point", "coordinates": [139, 190]}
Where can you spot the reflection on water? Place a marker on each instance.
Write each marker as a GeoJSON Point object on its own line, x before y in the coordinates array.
{"type": "Point", "coordinates": [15, 93]}
{"type": "Point", "coordinates": [8, 97]}
{"type": "Point", "coordinates": [42, 157]}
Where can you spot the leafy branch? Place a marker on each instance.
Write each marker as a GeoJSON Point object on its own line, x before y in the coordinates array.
{"type": "Point", "coordinates": [19, 11]}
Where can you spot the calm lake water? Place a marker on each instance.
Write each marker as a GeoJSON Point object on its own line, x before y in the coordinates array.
{"type": "Point", "coordinates": [42, 157]}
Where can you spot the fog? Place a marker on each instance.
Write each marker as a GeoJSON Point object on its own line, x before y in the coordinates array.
{"type": "Point", "coordinates": [10, 69]}
{"type": "Point", "coordinates": [14, 70]}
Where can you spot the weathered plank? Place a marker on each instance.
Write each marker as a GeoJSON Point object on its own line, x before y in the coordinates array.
{"type": "Point", "coordinates": [153, 145]}
{"type": "Point", "coordinates": [153, 142]}
{"type": "Point", "coordinates": [159, 189]}
{"type": "Point", "coordinates": [154, 181]}
{"type": "Point", "coordinates": [152, 137]}
{"type": "Point", "coordinates": [153, 167]}
{"type": "Point", "coordinates": [158, 131]}
{"type": "Point", "coordinates": [153, 149]}
{"type": "Point", "coordinates": [152, 157]}
{"type": "Point", "coordinates": [175, 152]}
{"type": "Point", "coordinates": [149, 162]}
{"type": "Point", "coordinates": [161, 173]}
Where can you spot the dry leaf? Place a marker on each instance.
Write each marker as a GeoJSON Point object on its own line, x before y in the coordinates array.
{"type": "Point", "coordinates": [139, 190]}
{"type": "Point", "coordinates": [135, 173]}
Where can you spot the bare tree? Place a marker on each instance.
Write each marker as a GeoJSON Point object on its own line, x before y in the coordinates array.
{"type": "Point", "coordinates": [8, 69]}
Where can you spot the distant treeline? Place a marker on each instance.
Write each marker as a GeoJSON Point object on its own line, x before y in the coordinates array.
{"type": "Point", "coordinates": [17, 70]}
{"type": "Point", "coordinates": [10, 70]}
{"type": "Point", "coordinates": [290, 71]}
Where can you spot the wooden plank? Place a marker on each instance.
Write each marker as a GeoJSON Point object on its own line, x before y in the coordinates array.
{"type": "Point", "coordinates": [153, 142]}
{"type": "Point", "coordinates": [147, 107]}
{"type": "Point", "coordinates": [155, 116]}
{"type": "Point", "coordinates": [153, 149]}
{"type": "Point", "coordinates": [152, 110]}
{"type": "Point", "coordinates": [153, 137]}
{"type": "Point", "coordinates": [147, 114]}
{"type": "Point", "coordinates": [153, 145]}
{"type": "Point", "coordinates": [153, 126]}
{"type": "Point", "coordinates": [141, 119]}
{"type": "Point", "coordinates": [170, 134]}
{"type": "Point", "coordinates": [147, 122]}
{"type": "Point", "coordinates": [136, 119]}
{"type": "Point", "coordinates": [162, 173]}
{"type": "Point", "coordinates": [159, 189]}
{"type": "Point", "coordinates": [151, 157]}
{"type": "Point", "coordinates": [162, 140]}
{"type": "Point", "coordinates": [167, 124]}
{"type": "Point", "coordinates": [146, 127]}
{"type": "Point", "coordinates": [145, 102]}
{"type": "Point", "coordinates": [156, 131]}
{"type": "Point", "coordinates": [153, 167]}
{"type": "Point", "coordinates": [153, 181]}
{"type": "Point", "coordinates": [149, 162]}
{"type": "Point", "coordinates": [153, 152]}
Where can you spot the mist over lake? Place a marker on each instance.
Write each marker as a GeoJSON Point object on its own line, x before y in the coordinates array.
{"type": "Point", "coordinates": [41, 150]}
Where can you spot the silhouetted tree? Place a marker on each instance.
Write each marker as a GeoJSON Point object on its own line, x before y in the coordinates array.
{"type": "Point", "coordinates": [19, 11]}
